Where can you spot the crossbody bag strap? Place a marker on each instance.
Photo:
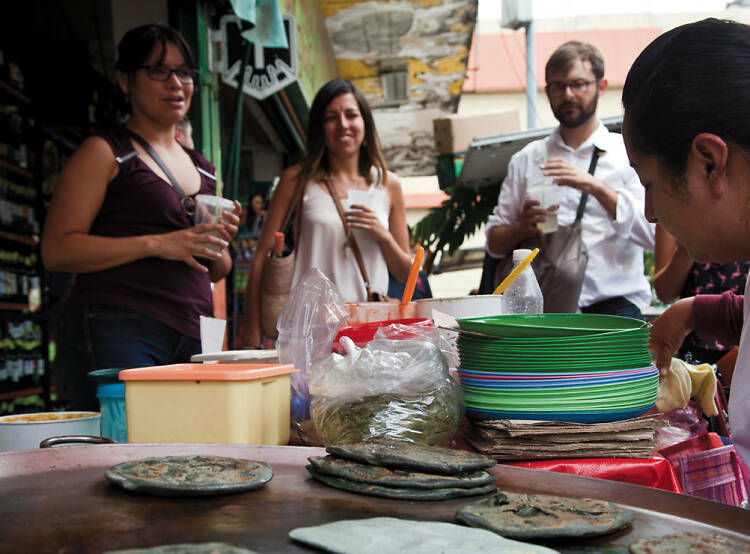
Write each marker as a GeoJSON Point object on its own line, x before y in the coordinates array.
{"type": "Point", "coordinates": [350, 236]}
{"type": "Point", "coordinates": [151, 152]}
{"type": "Point", "coordinates": [585, 196]}
{"type": "Point", "coordinates": [294, 205]}
{"type": "Point", "coordinates": [187, 202]}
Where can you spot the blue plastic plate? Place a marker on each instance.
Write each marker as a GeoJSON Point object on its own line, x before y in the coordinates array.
{"type": "Point", "coordinates": [552, 383]}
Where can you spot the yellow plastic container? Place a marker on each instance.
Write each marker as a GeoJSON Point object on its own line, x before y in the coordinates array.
{"type": "Point", "coordinates": [208, 403]}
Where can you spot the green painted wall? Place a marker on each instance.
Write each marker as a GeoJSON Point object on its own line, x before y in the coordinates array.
{"type": "Point", "coordinates": [315, 62]}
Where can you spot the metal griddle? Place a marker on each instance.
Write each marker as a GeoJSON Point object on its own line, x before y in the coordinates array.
{"type": "Point", "coordinates": [57, 500]}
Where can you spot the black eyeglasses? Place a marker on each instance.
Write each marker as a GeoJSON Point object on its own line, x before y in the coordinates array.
{"type": "Point", "coordinates": [163, 73]}
{"type": "Point", "coordinates": [577, 86]}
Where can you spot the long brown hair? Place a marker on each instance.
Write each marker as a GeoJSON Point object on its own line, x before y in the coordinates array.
{"type": "Point", "coordinates": [315, 165]}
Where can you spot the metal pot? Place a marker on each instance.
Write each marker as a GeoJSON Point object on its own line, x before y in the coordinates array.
{"type": "Point", "coordinates": [26, 431]}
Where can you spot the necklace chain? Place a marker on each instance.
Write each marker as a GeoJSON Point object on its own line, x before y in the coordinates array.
{"type": "Point", "coordinates": [338, 189]}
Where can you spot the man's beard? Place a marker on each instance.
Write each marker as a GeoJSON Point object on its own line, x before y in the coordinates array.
{"type": "Point", "coordinates": [572, 120]}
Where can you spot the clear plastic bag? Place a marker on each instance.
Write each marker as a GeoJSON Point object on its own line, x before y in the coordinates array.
{"type": "Point", "coordinates": [397, 389]}
{"type": "Point", "coordinates": [308, 322]}
{"type": "Point", "coordinates": [683, 423]}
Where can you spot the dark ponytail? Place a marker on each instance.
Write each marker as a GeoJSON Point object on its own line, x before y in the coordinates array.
{"type": "Point", "coordinates": [690, 80]}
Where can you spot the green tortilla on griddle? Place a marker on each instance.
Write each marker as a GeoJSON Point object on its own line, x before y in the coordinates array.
{"type": "Point", "coordinates": [690, 542]}
{"type": "Point", "coordinates": [378, 475]}
{"type": "Point", "coordinates": [537, 516]}
{"type": "Point", "coordinates": [406, 455]}
{"type": "Point", "coordinates": [399, 493]}
{"type": "Point", "coordinates": [202, 548]}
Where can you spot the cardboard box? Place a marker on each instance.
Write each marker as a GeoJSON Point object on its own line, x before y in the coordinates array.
{"type": "Point", "coordinates": [208, 403]}
{"type": "Point", "coordinates": [454, 132]}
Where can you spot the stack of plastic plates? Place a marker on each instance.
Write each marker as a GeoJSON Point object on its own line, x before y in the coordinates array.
{"type": "Point", "coordinates": [566, 367]}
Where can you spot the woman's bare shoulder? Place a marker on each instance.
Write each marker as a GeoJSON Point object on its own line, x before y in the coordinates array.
{"type": "Point", "coordinates": [96, 146]}
{"type": "Point", "coordinates": [392, 181]}
{"type": "Point", "coordinates": [289, 179]}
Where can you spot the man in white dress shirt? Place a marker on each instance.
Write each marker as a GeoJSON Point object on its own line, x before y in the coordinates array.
{"type": "Point", "coordinates": [614, 227]}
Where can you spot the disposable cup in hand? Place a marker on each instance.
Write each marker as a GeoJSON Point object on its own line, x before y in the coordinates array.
{"type": "Point", "coordinates": [548, 196]}
{"type": "Point", "coordinates": [208, 209]}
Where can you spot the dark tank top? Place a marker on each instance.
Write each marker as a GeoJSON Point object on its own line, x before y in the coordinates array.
{"type": "Point", "coordinates": [139, 202]}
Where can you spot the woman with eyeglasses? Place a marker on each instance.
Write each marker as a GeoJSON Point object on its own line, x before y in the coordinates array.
{"type": "Point", "coordinates": [121, 218]}
{"type": "Point", "coordinates": [688, 140]}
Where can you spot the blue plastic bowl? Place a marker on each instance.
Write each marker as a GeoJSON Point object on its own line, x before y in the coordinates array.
{"type": "Point", "coordinates": [112, 401]}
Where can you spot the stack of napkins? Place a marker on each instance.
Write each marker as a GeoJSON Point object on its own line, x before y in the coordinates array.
{"type": "Point", "coordinates": [504, 439]}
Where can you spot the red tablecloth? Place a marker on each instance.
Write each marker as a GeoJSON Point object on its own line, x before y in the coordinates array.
{"type": "Point", "coordinates": [651, 472]}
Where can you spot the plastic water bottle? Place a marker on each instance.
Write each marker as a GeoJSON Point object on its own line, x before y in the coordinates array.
{"type": "Point", "coordinates": [523, 296]}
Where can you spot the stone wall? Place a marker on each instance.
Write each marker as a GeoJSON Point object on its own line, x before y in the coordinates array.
{"type": "Point", "coordinates": [409, 59]}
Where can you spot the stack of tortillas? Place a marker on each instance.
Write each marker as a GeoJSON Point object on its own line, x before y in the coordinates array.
{"type": "Point", "coordinates": [402, 470]}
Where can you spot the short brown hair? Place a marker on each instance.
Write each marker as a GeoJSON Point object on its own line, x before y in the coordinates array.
{"type": "Point", "coordinates": [566, 54]}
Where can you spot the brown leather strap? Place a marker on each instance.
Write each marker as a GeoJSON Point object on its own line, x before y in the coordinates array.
{"type": "Point", "coordinates": [349, 236]}
{"type": "Point", "coordinates": [294, 205]}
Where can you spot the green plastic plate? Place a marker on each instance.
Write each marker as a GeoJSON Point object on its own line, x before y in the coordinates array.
{"type": "Point", "coordinates": [549, 325]}
{"type": "Point", "coordinates": [551, 356]}
{"type": "Point", "coordinates": [593, 349]}
{"type": "Point", "coordinates": [472, 366]}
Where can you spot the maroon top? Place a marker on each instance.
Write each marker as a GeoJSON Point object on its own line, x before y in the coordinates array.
{"type": "Point", "coordinates": [711, 278]}
{"type": "Point", "coordinates": [139, 202]}
{"type": "Point", "coordinates": [718, 316]}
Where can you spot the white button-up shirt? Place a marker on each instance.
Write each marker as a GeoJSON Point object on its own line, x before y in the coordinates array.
{"type": "Point", "coordinates": [615, 247]}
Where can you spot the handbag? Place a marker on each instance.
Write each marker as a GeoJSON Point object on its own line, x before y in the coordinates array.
{"type": "Point", "coordinates": [372, 296]}
{"type": "Point", "coordinates": [561, 263]}
{"type": "Point", "coordinates": [276, 279]}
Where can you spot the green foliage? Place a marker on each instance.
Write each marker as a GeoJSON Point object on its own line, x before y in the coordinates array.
{"type": "Point", "coordinates": [648, 264]}
{"type": "Point", "coordinates": [447, 226]}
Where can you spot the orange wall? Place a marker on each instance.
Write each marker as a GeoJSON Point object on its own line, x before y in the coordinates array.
{"type": "Point", "coordinates": [498, 62]}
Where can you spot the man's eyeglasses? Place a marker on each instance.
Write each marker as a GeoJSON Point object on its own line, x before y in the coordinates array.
{"type": "Point", "coordinates": [576, 87]}
{"type": "Point", "coordinates": [163, 73]}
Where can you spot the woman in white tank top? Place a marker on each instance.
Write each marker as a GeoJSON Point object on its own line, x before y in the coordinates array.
{"type": "Point", "coordinates": [343, 148]}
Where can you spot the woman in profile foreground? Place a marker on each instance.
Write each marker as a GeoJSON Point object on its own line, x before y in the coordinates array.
{"type": "Point", "coordinates": [687, 104]}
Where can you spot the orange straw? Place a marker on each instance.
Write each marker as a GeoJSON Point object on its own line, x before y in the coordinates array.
{"type": "Point", "coordinates": [411, 282]}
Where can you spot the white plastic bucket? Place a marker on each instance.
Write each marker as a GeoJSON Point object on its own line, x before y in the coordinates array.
{"type": "Point", "coordinates": [26, 431]}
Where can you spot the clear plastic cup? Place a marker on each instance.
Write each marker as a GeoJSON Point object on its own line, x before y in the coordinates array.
{"type": "Point", "coordinates": [548, 196]}
{"type": "Point", "coordinates": [208, 209]}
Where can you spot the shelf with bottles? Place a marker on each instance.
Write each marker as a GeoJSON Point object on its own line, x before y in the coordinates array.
{"type": "Point", "coordinates": [19, 218]}
{"type": "Point", "coordinates": [57, 147]}
{"type": "Point", "coordinates": [17, 136]}
{"type": "Point", "coordinates": [12, 82]}
{"type": "Point", "coordinates": [9, 90]}
{"type": "Point", "coordinates": [21, 272]}
{"type": "Point", "coordinates": [22, 355]}
{"type": "Point", "coordinates": [15, 169]}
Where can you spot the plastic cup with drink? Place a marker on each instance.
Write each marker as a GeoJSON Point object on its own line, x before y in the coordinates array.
{"type": "Point", "coordinates": [548, 196]}
{"type": "Point", "coordinates": [208, 209]}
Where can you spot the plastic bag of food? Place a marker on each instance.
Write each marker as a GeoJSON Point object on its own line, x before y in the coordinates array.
{"type": "Point", "coordinates": [398, 389]}
{"type": "Point", "coordinates": [405, 331]}
{"type": "Point", "coordinates": [308, 322]}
